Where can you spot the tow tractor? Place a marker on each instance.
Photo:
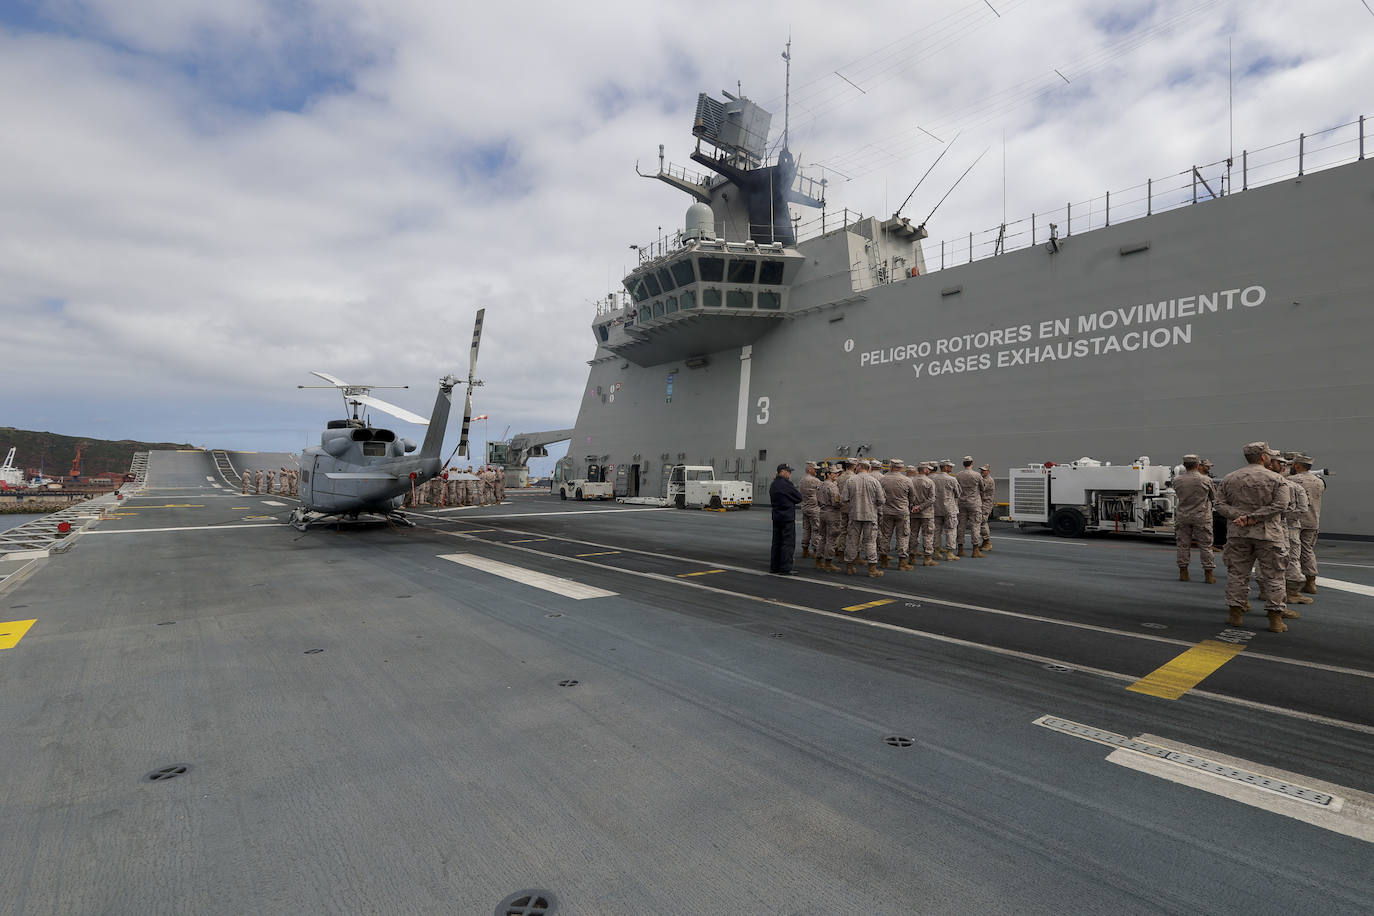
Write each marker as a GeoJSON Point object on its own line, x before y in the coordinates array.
{"type": "Point", "coordinates": [595, 485]}
{"type": "Point", "coordinates": [692, 486]}
{"type": "Point", "coordinates": [1087, 495]}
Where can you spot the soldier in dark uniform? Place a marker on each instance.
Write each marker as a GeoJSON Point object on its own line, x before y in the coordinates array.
{"type": "Point", "coordinates": [784, 497]}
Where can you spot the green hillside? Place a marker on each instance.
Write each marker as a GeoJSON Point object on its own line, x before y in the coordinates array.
{"type": "Point", "coordinates": [54, 453]}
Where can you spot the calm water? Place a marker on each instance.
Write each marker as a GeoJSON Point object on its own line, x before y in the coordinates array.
{"type": "Point", "coordinates": [13, 521]}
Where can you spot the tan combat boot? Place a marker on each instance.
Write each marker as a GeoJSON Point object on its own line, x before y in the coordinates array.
{"type": "Point", "coordinates": [950, 555]}
{"type": "Point", "coordinates": [929, 561]}
{"type": "Point", "coordinates": [1276, 624]}
{"type": "Point", "coordinates": [1209, 578]}
{"type": "Point", "coordinates": [820, 563]}
{"type": "Point", "coordinates": [978, 553]}
{"type": "Point", "coordinates": [874, 572]}
{"type": "Point", "coordinates": [986, 545]}
{"type": "Point", "coordinates": [883, 560]}
{"type": "Point", "coordinates": [1294, 595]}
{"type": "Point", "coordinates": [960, 551]}
{"type": "Point", "coordinates": [1183, 574]}
{"type": "Point", "coordinates": [1309, 587]}
{"type": "Point", "coordinates": [903, 564]}
{"type": "Point", "coordinates": [849, 569]}
{"type": "Point", "coordinates": [831, 567]}
{"type": "Point", "coordinates": [1235, 618]}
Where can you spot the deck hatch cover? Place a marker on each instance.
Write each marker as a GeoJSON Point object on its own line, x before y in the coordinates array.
{"type": "Point", "coordinates": [528, 903]}
{"type": "Point", "coordinates": [1259, 781]}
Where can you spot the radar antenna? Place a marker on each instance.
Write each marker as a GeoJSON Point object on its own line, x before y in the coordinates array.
{"type": "Point", "coordinates": [923, 178]}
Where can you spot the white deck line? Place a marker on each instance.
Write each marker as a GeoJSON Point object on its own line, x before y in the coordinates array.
{"type": "Point", "coordinates": [565, 587]}
{"type": "Point", "coordinates": [1343, 586]}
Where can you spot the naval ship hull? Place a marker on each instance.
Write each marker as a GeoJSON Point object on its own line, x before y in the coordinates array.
{"type": "Point", "coordinates": [1193, 330]}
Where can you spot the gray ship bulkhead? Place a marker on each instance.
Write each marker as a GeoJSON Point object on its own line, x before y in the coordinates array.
{"type": "Point", "coordinates": [1192, 330]}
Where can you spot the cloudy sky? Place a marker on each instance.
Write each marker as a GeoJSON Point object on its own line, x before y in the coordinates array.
{"type": "Point", "coordinates": [203, 200]}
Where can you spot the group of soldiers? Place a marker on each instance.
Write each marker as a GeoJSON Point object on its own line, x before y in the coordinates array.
{"type": "Point", "coordinates": [861, 510]}
{"type": "Point", "coordinates": [1273, 510]}
{"type": "Point", "coordinates": [447, 489]}
{"type": "Point", "coordinates": [281, 482]}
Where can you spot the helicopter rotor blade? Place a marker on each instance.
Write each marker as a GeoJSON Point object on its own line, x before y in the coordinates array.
{"type": "Point", "coordinates": [476, 340]}
{"type": "Point", "coordinates": [398, 412]}
{"type": "Point", "coordinates": [330, 379]}
{"type": "Point", "coordinates": [467, 420]}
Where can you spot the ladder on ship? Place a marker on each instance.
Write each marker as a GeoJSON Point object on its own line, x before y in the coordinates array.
{"type": "Point", "coordinates": [225, 468]}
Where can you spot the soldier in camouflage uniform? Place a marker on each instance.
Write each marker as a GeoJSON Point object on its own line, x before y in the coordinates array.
{"type": "Point", "coordinates": [896, 515]}
{"type": "Point", "coordinates": [1196, 494]}
{"type": "Point", "coordinates": [269, 478]}
{"type": "Point", "coordinates": [970, 507]}
{"type": "Point", "coordinates": [1311, 522]}
{"type": "Point", "coordinates": [246, 478]}
{"type": "Point", "coordinates": [811, 513]}
{"type": "Point", "coordinates": [988, 490]}
{"type": "Point", "coordinates": [864, 497]}
{"type": "Point", "coordinates": [1297, 510]}
{"type": "Point", "coordinates": [923, 507]}
{"type": "Point", "coordinates": [257, 481]}
{"type": "Point", "coordinates": [946, 510]}
{"type": "Point", "coordinates": [828, 535]}
{"type": "Point", "coordinates": [1253, 500]}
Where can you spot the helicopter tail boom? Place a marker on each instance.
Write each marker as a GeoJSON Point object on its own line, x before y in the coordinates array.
{"type": "Point", "coordinates": [438, 421]}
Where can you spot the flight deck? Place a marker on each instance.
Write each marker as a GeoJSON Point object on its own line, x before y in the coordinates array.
{"type": "Point", "coordinates": [617, 708]}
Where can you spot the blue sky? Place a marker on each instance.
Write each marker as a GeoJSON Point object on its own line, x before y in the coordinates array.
{"type": "Point", "coordinates": [206, 200]}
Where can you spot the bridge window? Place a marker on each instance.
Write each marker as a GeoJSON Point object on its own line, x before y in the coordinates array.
{"type": "Point", "coordinates": [652, 283]}
{"type": "Point", "coordinates": [771, 273]}
{"type": "Point", "coordinates": [768, 299]}
{"type": "Point", "coordinates": [712, 269]}
{"type": "Point", "coordinates": [739, 299]}
{"type": "Point", "coordinates": [689, 299]}
{"type": "Point", "coordinates": [666, 279]}
{"type": "Point", "coordinates": [710, 297]}
{"type": "Point", "coordinates": [682, 272]}
{"type": "Point", "coordinates": [658, 309]}
{"type": "Point", "coordinates": [742, 270]}
{"type": "Point", "coordinates": [644, 314]}
{"type": "Point", "coordinates": [603, 332]}
{"type": "Point", "coordinates": [670, 304]}
{"type": "Point", "coordinates": [638, 290]}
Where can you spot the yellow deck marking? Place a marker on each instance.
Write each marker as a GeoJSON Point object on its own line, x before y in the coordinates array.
{"type": "Point", "coordinates": [864, 607]}
{"type": "Point", "coordinates": [705, 572]}
{"type": "Point", "coordinates": [235, 508]}
{"type": "Point", "coordinates": [12, 632]}
{"type": "Point", "coordinates": [530, 540]}
{"type": "Point", "coordinates": [1175, 678]}
{"type": "Point", "coordinates": [599, 553]}
{"type": "Point", "coordinates": [174, 506]}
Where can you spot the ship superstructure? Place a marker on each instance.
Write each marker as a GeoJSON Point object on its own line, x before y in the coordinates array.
{"type": "Point", "coordinates": [1173, 325]}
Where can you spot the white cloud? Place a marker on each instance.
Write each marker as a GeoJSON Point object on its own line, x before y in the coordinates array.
{"type": "Point", "coordinates": [223, 197]}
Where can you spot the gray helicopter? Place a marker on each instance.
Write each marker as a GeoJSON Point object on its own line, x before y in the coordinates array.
{"type": "Point", "coordinates": [361, 469]}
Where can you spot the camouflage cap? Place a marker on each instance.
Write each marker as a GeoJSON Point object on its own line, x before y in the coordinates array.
{"type": "Point", "coordinates": [1300, 458]}
{"type": "Point", "coordinates": [1254, 449]}
{"type": "Point", "coordinates": [985, 467]}
{"type": "Point", "coordinates": [1205, 462]}
{"type": "Point", "coordinates": [811, 464]}
{"type": "Point", "coordinates": [1188, 458]}
{"type": "Point", "coordinates": [968, 458]}
{"type": "Point", "coordinates": [946, 461]}
{"type": "Point", "coordinates": [897, 463]}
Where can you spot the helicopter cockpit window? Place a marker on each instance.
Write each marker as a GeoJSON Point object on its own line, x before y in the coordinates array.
{"type": "Point", "coordinates": [374, 449]}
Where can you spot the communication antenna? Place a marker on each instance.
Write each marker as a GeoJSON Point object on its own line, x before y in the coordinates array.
{"type": "Point", "coordinates": [1230, 111]}
{"type": "Point", "coordinates": [923, 177]}
{"type": "Point", "coordinates": [787, 90]}
{"type": "Point", "coordinates": [955, 185]}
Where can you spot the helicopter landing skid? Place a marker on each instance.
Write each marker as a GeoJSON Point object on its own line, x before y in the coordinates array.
{"type": "Point", "coordinates": [401, 519]}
